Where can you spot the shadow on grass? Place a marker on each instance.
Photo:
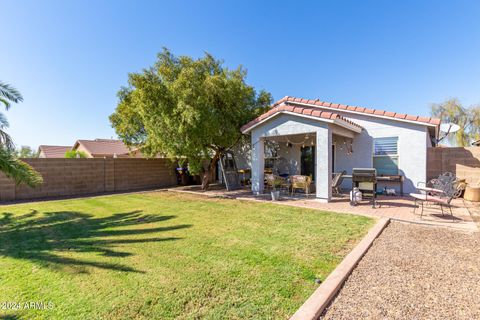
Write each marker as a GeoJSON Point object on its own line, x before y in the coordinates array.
{"type": "Point", "coordinates": [9, 317]}
{"type": "Point", "coordinates": [41, 238]}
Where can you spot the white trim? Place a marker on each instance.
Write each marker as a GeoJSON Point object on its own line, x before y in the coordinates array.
{"type": "Point", "coordinates": [391, 156]}
{"type": "Point", "coordinates": [363, 113]}
{"type": "Point", "coordinates": [338, 122]}
{"type": "Point", "coordinates": [384, 155]}
{"type": "Point", "coordinates": [347, 125]}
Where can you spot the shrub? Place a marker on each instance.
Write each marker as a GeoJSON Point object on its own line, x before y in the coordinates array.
{"type": "Point", "coordinates": [74, 154]}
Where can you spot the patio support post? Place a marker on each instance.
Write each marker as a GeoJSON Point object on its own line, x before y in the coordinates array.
{"type": "Point", "coordinates": [258, 164]}
{"type": "Point", "coordinates": [324, 164]}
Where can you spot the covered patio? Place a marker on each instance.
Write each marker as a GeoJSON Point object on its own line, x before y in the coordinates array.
{"type": "Point", "coordinates": [300, 141]}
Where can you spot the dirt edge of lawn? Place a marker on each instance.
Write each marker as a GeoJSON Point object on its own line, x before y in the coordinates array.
{"type": "Point", "coordinates": [326, 292]}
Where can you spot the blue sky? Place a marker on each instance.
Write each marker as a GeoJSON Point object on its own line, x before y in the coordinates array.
{"type": "Point", "coordinates": [69, 58]}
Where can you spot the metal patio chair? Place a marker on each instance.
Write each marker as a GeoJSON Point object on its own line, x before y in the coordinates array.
{"type": "Point", "coordinates": [439, 185]}
{"type": "Point", "coordinates": [443, 200]}
{"type": "Point", "coordinates": [440, 191]}
{"type": "Point", "coordinates": [337, 182]}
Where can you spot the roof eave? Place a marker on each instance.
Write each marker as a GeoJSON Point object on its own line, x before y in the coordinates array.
{"type": "Point", "coordinates": [339, 122]}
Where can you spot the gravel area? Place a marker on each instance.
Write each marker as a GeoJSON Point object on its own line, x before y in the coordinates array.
{"type": "Point", "coordinates": [414, 272]}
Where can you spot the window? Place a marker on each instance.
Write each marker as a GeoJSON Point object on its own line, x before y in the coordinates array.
{"type": "Point", "coordinates": [385, 155]}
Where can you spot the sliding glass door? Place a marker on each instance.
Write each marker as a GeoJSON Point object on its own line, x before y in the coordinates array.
{"type": "Point", "coordinates": [307, 161]}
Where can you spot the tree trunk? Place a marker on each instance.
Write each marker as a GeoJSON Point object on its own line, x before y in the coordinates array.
{"type": "Point", "coordinates": [207, 173]}
{"type": "Point", "coordinates": [206, 179]}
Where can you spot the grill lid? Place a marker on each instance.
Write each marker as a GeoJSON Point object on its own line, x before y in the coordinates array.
{"type": "Point", "coordinates": [364, 174]}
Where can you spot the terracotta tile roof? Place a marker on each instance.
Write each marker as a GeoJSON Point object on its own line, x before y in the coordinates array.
{"type": "Point", "coordinates": [310, 107]}
{"type": "Point", "coordinates": [402, 116]}
{"type": "Point", "coordinates": [54, 151]}
{"type": "Point", "coordinates": [104, 147]}
{"type": "Point", "coordinates": [311, 111]}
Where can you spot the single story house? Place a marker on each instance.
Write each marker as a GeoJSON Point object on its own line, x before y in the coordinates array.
{"type": "Point", "coordinates": [476, 143]}
{"type": "Point", "coordinates": [52, 151]}
{"type": "Point", "coordinates": [318, 138]}
{"type": "Point", "coordinates": [106, 148]}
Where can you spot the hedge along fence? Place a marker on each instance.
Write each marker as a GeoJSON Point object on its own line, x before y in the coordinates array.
{"type": "Point", "coordinates": [74, 177]}
{"type": "Point", "coordinates": [463, 162]}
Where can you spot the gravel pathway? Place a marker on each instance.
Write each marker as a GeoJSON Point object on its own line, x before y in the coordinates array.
{"type": "Point", "coordinates": [414, 272]}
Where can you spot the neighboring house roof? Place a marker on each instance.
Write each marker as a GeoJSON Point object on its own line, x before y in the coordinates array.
{"type": "Point", "coordinates": [332, 107]}
{"type": "Point", "coordinates": [476, 143]}
{"type": "Point", "coordinates": [103, 147]}
{"type": "Point", "coordinates": [53, 151]}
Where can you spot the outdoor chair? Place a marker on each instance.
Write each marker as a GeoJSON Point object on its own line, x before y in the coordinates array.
{"type": "Point", "coordinates": [337, 182]}
{"type": "Point", "coordinates": [301, 182]}
{"type": "Point", "coordinates": [274, 182]}
{"type": "Point", "coordinates": [444, 200]}
{"type": "Point", "coordinates": [438, 186]}
{"type": "Point", "coordinates": [441, 191]}
{"type": "Point", "coordinates": [446, 182]}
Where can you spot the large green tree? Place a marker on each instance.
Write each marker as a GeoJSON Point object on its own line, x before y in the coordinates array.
{"type": "Point", "coordinates": [187, 108]}
{"type": "Point", "coordinates": [10, 165]}
{"type": "Point", "coordinates": [468, 118]}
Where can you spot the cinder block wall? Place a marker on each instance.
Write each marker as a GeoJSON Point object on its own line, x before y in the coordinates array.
{"type": "Point", "coordinates": [72, 177]}
{"type": "Point", "coordinates": [463, 162]}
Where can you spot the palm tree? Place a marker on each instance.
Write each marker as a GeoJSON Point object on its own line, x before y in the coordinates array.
{"type": "Point", "coordinates": [8, 94]}
{"type": "Point", "coordinates": [10, 165]}
{"type": "Point", "coordinates": [18, 170]}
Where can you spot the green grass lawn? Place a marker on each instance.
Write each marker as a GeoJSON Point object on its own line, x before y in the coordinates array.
{"type": "Point", "coordinates": [165, 255]}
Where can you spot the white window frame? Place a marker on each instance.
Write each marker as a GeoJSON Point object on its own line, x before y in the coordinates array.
{"type": "Point", "coordinates": [393, 156]}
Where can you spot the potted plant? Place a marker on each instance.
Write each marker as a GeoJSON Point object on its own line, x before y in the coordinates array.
{"type": "Point", "coordinates": [275, 191]}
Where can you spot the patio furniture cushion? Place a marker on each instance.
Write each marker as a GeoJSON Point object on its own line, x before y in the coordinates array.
{"type": "Point", "coordinates": [426, 197]}
{"type": "Point", "coordinates": [428, 189]}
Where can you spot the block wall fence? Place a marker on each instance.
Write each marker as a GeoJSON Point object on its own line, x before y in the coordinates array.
{"type": "Point", "coordinates": [75, 177]}
{"type": "Point", "coordinates": [463, 162]}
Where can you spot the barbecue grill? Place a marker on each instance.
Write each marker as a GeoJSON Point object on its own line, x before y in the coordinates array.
{"type": "Point", "coordinates": [365, 179]}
